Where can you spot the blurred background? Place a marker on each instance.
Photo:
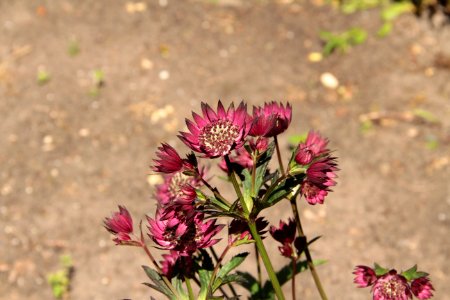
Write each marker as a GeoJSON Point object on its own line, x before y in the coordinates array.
{"type": "Point", "coordinates": [88, 90]}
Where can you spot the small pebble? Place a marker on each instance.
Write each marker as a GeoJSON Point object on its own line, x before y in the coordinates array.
{"type": "Point", "coordinates": [328, 80]}
{"type": "Point", "coordinates": [84, 132]}
{"type": "Point", "coordinates": [164, 75]}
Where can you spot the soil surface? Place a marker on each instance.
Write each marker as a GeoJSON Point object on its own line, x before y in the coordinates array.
{"type": "Point", "coordinates": [75, 145]}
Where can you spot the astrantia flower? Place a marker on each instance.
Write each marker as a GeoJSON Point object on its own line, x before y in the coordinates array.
{"type": "Point", "coordinates": [422, 288]}
{"type": "Point", "coordinates": [167, 233]}
{"type": "Point", "coordinates": [285, 234]}
{"type": "Point", "coordinates": [365, 276]}
{"type": "Point", "coordinates": [391, 286]}
{"type": "Point", "coordinates": [313, 146]}
{"type": "Point", "coordinates": [319, 178]}
{"type": "Point", "coordinates": [176, 264]}
{"type": "Point", "coordinates": [121, 225]}
{"type": "Point", "coordinates": [216, 134]}
{"type": "Point", "coordinates": [271, 119]}
{"type": "Point", "coordinates": [170, 161]}
{"type": "Point", "coordinates": [172, 188]}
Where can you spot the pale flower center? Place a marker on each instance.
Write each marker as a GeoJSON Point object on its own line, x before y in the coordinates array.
{"type": "Point", "coordinates": [176, 184]}
{"type": "Point", "coordinates": [393, 288]}
{"type": "Point", "coordinates": [219, 137]}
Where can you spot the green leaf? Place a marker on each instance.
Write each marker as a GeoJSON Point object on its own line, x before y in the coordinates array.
{"type": "Point", "coordinates": [380, 271]}
{"type": "Point", "coordinates": [385, 29]}
{"type": "Point", "coordinates": [297, 139]}
{"type": "Point", "coordinates": [159, 283]}
{"type": "Point", "coordinates": [395, 9]}
{"type": "Point", "coordinates": [412, 273]}
{"type": "Point", "coordinates": [232, 264]}
{"type": "Point", "coordinates": [205, 277]}
{"type": "Point", "coordinates": [249, 283]}
{"type": "Point", "coordinates": [178, 284]}
{"type": "Point", "coordinates": [284, 188]}
{"type": "Point", "coordinates": [226, 280]}
{"type": "Point", "coordinates": [426, 115]}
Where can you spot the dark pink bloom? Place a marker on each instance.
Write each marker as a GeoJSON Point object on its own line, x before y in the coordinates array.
{"type": "Point", "coordinates": [271, 119]}
{"type": "Point", "coordinates": [183, 234]}
{"type": "Point", "coordinates": [285, 234]}
{"type": "Point", "coordinates": [259, 144]}
{"type": "Point", "coordinates": [121, 225]}
{"type": "Point", "coordinates": [174, 187]}
{"type": "Point", "coordinates": [170, 161]}
{"type": "Point", "coordinates": [422, 288]}
{"type": "Point", "coordinates": [216, 134]}
{"type": "Point", "coordinates": [314, 146]}
{"type": "Point", "coordinates": [168, 263]}
{"type": "Point", "coordinates": [365, 276]}
{"type": "Point", "coordinates": [319, 178]}
{"type": "Point", "coordinates": [240, 159]}
{"type": "Point", "coordinates": [391, 286]}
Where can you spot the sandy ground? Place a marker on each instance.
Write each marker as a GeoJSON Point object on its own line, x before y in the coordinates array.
{"type": "Point", "coordinates": [72, 150]}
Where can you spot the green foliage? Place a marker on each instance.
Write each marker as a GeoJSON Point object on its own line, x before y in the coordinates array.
{"type": "Point", "coordinates": [158, 283]}
{"type": "Point", "coordinates": [266, 292]}
{"type": "Point", "coordinates": [43, 77]}
{"type": "Point", "coordinates": [379, 270]}
{"type": "Point", "coordinates": [343, 41]}
{"type": "Point", "coordinates": [351, 6]}
{"type": "Point", "coordinates": [412, 273]}
{"type": "Point", "coordinates": [73, 49]}
{"type": "Point", "coordinates": [60, 280]}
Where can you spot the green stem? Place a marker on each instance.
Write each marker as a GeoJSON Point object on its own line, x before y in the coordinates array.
{"type": "Point", "coordinates": [309, 259]}
{"type": "Point", "coordinates": [294, 271]}
{"type": "Point", "coordinates": [233, 291]}
{"type": "Point", "coordinates": [258, 266]}
{"type": "Point", "coordinates": [266, 260]}
{"type": "Point", "coordinates": [216, 269]}
{"type": "Point", "coordinates": [280, 161]}
{"type": "Point", "coordinates": [216, 193]}
{"type": "Point", "coordinates": [189, 287]}
{"type": "Point", "coordinates": [232, 176]}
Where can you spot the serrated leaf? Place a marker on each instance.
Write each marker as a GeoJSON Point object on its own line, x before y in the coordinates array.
{"type": "Point", "coordinates": [232, 264]}
{"type": "Point", "coordinates": [412, 273]}
{"type": "Point", "coordinates": [226, 280]}
{"type": "Point", "coordinates": [379, 271]}
{"type": "Point", "coordinates": [159, 283]}
{"type": "Point", "coordinates": [249, 283]}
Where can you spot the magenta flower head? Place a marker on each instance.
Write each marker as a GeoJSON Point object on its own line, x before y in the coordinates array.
{"type": "Point", "coordinates": [313, 146]}
{"type": "Point", "coordinates": [391, 286]}
{"type": "Point", "coordinates": [175, 186]}
{"type": "Point", "coordinates": [120, 224]}
{"type": "Point", "coordinates": [365, 276]}
{"type": "Point", "coordinates": [319, 178]}
{"type": "Point", "coordinates": [422, 288]}
{"type": "Point", "coordinates": [271, 119]}
{"type": "Point", "coordinates": [216, 134]}
{"type": "Point", "coordinates": [285, 234]}
{"type": "Point", "coordinates": [240, 228]}
{"type": "Point", "coordinates": [169, 161]}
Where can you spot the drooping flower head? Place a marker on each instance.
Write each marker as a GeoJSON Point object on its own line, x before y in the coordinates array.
{"type": "Point", "coordinates": [422, 288]}
{"type": "Point", "coordinates": [365, 276]}
{"type": "Point", "coordinates": [120, 224]}
{"type": "Point", "coordinates": [391, 286]}
{"type": "Point", "coordinates": [176, 264]}
{"type": "Point", "coordinates": [170, 161]}
{"type": "Point", "coordinates": [285, 234]}
{"type": "Point", "coordinates": [216, 134]}
{"type": "Point", "coordinates": [271, 119]}
{"type": "Point", "coordinates": [320, 177]}
{"type": "Point", "coordinates": [313, 146]}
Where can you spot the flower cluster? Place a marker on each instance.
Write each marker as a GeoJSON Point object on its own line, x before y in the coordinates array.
{"type": "Point", "coordinates": [389, 285]}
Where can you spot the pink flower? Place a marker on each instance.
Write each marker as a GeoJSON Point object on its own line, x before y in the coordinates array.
{"type": "Point", "coordinates": [216, 134]}
{"type": "Point", "coordinates": [422, 288]}
{"type": "Point", "coordinates": [240, 159]}
{"type": "Point", "coordinates": [184, 234]}
{"type": "Point", "coordinates": [314, 146]}
{"type": "Point", "coordinates": [121, 225]}
{"type": "Point", "coordinates": [170, 161]}
{"type": "Point", "coordinates": [271, 119]}
{"type": "Point", "coordinates": [285, 234]}
{"type": "Point", "coordinates": [391, 286]}
{"type": "Point", "coordinates": [319, 178]}
{"type": "Point", "coordinates": [176, 264]}
{"type": "Point", "coordinates": [365, 276]}
{"type": "Point", "coordinates": [173, 187]}
{"type": "Point", "coordinates": [259, 145]}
